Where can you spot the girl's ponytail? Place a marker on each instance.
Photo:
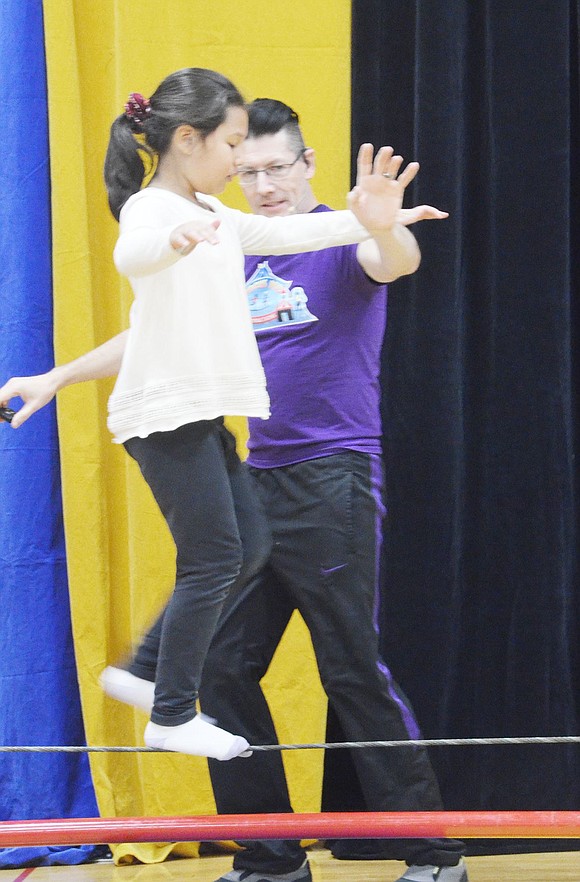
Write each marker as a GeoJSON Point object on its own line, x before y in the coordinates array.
{"type": "Point", "coordinates": [124, 169]}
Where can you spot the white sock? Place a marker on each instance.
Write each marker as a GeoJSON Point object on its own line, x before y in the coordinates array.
{"type": "Point", "coordinates": [197, 737]}
{"type": "Point", "coordinates": [126, 687]}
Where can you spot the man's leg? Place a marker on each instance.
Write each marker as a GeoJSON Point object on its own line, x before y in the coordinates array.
{"type": "Point", "coordinates": [329, 513]}
{"type": "Point", "coordinates": [251, 627]}
{"type": "Point", "coordinates": [341, 792]}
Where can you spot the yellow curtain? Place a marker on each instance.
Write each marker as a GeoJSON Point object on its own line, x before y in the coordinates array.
{"type": "Point", "coordinates": [120, 556]}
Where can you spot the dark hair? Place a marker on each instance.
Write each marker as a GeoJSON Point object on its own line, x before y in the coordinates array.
{"type": "Point", "coordinates": [193, 96]}
{"type": "Point", "coordinates": [266, 116]}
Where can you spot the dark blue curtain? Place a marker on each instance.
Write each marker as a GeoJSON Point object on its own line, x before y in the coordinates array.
{"type": "Point", "coordinates": [481, 595]}
{"type": "Point", "coordinates": [39, 696]}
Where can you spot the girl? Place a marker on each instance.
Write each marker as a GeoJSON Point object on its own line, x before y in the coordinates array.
{"type": "Point", "coordinates": [191, 358]}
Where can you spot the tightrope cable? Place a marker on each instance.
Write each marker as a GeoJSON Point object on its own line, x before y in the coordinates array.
{"type": "Point", "coordinates": [351, 745]}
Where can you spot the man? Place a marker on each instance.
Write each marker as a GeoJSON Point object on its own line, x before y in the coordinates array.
{"type": "Point", "coordinates": [320, 321]}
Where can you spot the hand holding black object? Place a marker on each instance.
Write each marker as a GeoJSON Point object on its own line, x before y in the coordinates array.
{"type": "Point", "coordinates": [6, 414]}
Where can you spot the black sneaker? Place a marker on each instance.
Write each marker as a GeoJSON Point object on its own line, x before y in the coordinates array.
{"type": "Point", "coordinates": [302, 874]}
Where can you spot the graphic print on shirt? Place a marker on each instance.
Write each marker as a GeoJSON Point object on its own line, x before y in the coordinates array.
{"type": "Point", "coordinates": [273, 302]}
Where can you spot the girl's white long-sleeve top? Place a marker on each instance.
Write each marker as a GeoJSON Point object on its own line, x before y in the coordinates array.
{"type": "Point", "coordinates": [191, 352]}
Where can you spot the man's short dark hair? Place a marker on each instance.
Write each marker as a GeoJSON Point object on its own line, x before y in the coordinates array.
{"type": "Point", "coordinates": [268, 117]}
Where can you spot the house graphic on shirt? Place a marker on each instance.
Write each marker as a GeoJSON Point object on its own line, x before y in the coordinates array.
{"type": "Point", "coordinates": [273, 302]}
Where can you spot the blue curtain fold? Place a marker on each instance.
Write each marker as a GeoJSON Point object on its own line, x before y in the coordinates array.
{"type": "Point", "coordinates": [39, 693]}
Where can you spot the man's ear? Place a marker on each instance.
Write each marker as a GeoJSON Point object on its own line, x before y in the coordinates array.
{"type": "Point", "coordinates": [309, 157]}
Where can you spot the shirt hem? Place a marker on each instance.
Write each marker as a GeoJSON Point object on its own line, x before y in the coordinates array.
{"type": "Point", "coordinates": [313, 453]}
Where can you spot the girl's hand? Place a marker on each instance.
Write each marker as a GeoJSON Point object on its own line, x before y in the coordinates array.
{"type": "Point", "coordinates": [408, 216]}
{"type": "Point", "coordinates": [185, 237]}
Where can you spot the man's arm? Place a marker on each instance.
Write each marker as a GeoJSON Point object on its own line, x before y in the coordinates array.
{"type": "Point", "coordinates": [104, 361]}
{"type": "Point", "coordinates": [377, 200]}
{"type": "Point", "coordinates": [389, 255]}
{"type": "Point", "coordinates": [388, 260]}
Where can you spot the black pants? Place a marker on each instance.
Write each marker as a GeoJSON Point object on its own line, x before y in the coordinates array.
{"type": "Point", "coordinates": [326, 522]}
{"type": "Point", "coordinates": [221, 536]}
{"type": "Point", "coordinates": [326, 517]}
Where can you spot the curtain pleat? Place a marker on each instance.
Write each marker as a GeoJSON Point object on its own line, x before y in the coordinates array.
{"type": "Point", "coordinates": [120, 556]}
{"type": "Point", "coordinates": [480, 379]}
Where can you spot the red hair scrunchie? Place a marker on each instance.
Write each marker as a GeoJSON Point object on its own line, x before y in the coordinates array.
{"type": "Point", "coordinates": [137, 108]}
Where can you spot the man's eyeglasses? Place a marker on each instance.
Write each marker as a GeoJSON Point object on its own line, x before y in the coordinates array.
{"type": "Point", "coordinates": [248, 176]}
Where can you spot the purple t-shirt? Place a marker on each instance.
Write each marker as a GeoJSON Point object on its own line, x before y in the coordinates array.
{"type": "Point", "coordinates": [319, 323]}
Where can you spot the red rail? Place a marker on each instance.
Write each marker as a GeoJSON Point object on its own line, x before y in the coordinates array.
{"type": "Point", "coordinates": [324, 825]}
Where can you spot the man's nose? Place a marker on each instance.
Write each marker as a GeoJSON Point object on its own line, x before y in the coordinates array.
{"type": "Point", "coordinates": [264, 183]}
